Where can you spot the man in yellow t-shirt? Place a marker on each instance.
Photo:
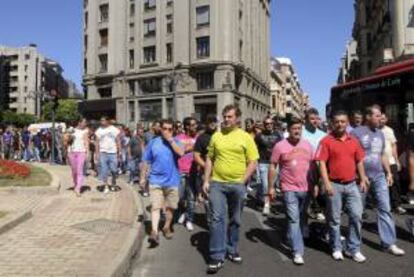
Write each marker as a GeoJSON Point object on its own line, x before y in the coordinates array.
{"type": "Point", "coordinates": [231, 161]}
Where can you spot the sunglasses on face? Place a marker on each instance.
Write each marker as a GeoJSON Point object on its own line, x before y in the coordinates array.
{"type": "Point", "coordinates": [268, 123]}
{"type": "Point", "coordinates": [167, 129]}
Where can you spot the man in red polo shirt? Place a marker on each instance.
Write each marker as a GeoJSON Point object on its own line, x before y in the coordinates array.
{"type": "Point", "coordinates": [340, 156]}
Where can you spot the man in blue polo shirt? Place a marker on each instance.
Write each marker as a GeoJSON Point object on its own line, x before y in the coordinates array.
{"type": "Point", "coordinates": [162, 154]}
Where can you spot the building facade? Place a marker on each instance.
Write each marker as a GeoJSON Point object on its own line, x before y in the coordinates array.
{"type": "Point", "coordinates": [151, 59]}
{"type": "Point", "coordinates": [384, 32]}
{"type": "Point", "coordinates": [382, 72]}
{"type": "Point", "coordinates": [349, 64]}
{"type": "Point", "coordinates": [24, 74]}
{"type": "Point", "coordinates": [287, 97]}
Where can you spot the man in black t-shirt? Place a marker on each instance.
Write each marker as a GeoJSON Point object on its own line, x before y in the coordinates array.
{"type": "Point", "coordinates": [135, 149]}
{"type": "Point", "coordinates": [200, 154]}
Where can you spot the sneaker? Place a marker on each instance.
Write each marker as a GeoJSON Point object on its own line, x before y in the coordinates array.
{"type": "Point", "coordinates": [400, 210]}
{"type": "Point", "coordinates": [189, 226]}
{"type": "Point", "coordinates": [154, 239]}
{"type": "Point", "coordinates": [106, 189]}
{"type": "Point", "coordinates": [235, 258]}
{"type": "Point", "coordinates": [266, 209]}
{"type": "Point", "coordinates": [181, 219]}
{"type": "Point", "coordinates": [249, 189]}
{"type": "Point", "coordinates": [357, 257]}
{"type": "Point", "coordinates": [395, 250]}
{"type": "Point", "coordinates": [214, 266]}
{"type": "Point", "coordinates": [298, 260]}
{"type": "Point", "coordinates": [320, 217]}
{"type": "Point", "coordinates": [337, 256]}
{"type": "Point", "coordinates": [411, 201]}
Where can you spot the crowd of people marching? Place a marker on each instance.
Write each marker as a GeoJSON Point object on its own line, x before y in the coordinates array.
{"type": "Point", "coordinates": [318, 170]}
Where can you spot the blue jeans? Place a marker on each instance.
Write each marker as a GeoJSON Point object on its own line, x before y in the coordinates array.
{"type": "Point", "coordinates": [36, 154]}
{"type": "Point", "coordinates": [27, 155]}
{"type": "Point", "coordinates": [133, 167]}
{"type": "Point", "coordinates": [108, 165]}
{"type": "Point", "coordinates": [296, 203]}
{"type": "Point", "coordinates": [188, 193]}
{"type": "Point", "coordinates": [263, 170]}
{"type": "Point", "coordinates": [353, 203]}
{"type": "Point", "coordinates": [385, 220]}
{"type": "Point", "coordinates": [225, 198]}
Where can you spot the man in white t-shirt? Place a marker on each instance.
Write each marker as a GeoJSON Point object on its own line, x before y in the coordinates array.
{"type": "Point", "coordinates": [108, 145]}
{"type": "Point", "coordinates": [391, 152]}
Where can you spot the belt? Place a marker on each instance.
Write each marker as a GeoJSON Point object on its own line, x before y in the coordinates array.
{"type": "Point", "coordinates": [342, 182]}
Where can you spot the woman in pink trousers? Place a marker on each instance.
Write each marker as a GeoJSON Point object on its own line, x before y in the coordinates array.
{"type": "Point", "coordinates": [77, 147]}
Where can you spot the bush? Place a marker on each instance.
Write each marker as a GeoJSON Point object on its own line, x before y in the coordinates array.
{"type": "Point", "coordinates": [17, 119]}
{"type": "Point", "coordinates": [12, 170]}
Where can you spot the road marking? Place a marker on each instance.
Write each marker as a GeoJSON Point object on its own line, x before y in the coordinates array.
{"type": "Point", "coordinates": [261, 219]}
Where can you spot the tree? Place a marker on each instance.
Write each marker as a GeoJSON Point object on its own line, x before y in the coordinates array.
{"type": "Point", "coordinates": [67, 111]}
{"type": "Point", "coordinates": [17, 119]}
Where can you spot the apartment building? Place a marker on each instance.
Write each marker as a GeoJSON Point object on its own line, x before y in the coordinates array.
{"type": "Point", "coordinates": [24, 74]}
{"type": "Point", "coordinates": [151, 59]}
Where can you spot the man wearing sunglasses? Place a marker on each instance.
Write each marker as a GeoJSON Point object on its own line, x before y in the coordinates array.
{"type": "Point", "coordinates": [265, 142]}
{"type": "Point", "coordinates": [161, 155]}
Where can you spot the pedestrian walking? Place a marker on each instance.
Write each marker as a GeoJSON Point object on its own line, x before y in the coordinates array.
{"type": "Point", "coordinates": [294, 156]}
{"type": "Point", "coordinates": [231, 161]}
{"type": "Point", "coordinates": [341, 156]}
{"type": "Point", "coordinates": [108, 151]}
{"type": "Point", "coordinates": [135, 150]}
{"type": "Point", "coordinates": [378, 170]}
{"type": "Point", "coordinates": [160, 160]}
{"type": "Point", "coordinates": [77, 145]}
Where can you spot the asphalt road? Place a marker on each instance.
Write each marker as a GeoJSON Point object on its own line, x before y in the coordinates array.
{"type": "Point", "coordinates": [265, 254]}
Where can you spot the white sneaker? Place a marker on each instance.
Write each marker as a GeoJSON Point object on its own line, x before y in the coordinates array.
{"type": "Point", "coordinates": [189, 226]}
{"type": "Point", "coordinates": [395, 250]}
{"type": "Point", "coordinates": [106, 189]}
{"type": "Point", "coordinates": [181, 220]}
{"type": "Point", "coordinates": [411, 201]}
{"type": "Point", "coordinates": [337, 256]}
{"type": "Point", "coordinates": [357, 257]}
{"type": "Point", "coordinates": [266, 209]}
{"type": "Point", "coordinates": [320, 217]}
{"type": "Point", "coordinates": [298, 260]}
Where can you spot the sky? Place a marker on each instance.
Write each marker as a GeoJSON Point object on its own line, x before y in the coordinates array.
{"type": "Point", "coordinates": [313, 33]}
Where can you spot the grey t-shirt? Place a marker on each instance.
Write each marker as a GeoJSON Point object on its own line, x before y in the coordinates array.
{"type": "Point", "coordinates": [373, 143]}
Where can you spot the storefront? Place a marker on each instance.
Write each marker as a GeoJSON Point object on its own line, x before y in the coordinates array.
{"type": "Point", "coordinates": [95, 109]}
{"type": "Point", "coordinates": [391, 87]}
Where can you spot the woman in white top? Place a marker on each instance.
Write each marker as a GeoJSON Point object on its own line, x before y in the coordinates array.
{"type": "Point", "coordinates": [77, 142]}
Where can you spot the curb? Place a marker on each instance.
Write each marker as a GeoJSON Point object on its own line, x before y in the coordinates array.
{"type": "Point", "coordinates": [52, 189]}
{"type": "Point", "coordinates": [15, 220]}
{"type": "Point", "coordinates": [130, 251]}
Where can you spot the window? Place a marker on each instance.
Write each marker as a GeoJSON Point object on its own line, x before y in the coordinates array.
{"type": "Point", "coordinates": [203, 47]}
{"type": "Point", "coordinates": [103, 34]}
{"type": "Point", "coordinates": [26, 67]}
{"type": "Point", "coordinates": [25, 89]}
{"type": "Point", "coordinates": [169, 24]}
{"type": "Point", "coordinates": [203, 16]}
{"type": "Point", "coordinates": [151, 85]}
{"type": "Point", "coordinates": [25, 78]}
{"type": "Point", "coordinates": [104, 12]}
{"type": "Point", "coordinates": [240, 50]}
{"type": "Point", "coordinates": [149, 4]}
{"type": "Point", "coordinates": [131, 86]}
{"type": "Point", "coordinates": [369, 42]}
{"type": "Point", "coordinates": [105, 92]}
{"type": "Point", "coordinates": [86, 20]}
{"type": "Point", "coordinates": [85, 3]}
{"type": "Point", "coordinates": [273, 101]}
{"type": "Point", "coordinates": [170, 2]}
{"type": "Point", "coordinates": [131, 107]}
{"type": "Point", "coordinates": [150, 110]}
{"type": "Point", "coordinates": [205, 80]}
{"type": "Point", "coordinates": [26, 57]}
{"type": "Point", "coordinates": [103, 61]}
{"type": "Point", "coordinates": [85, 43]}
{"type": "Point", "coordinates": [149, 27]}
{"type": "Point", "coordinates": [131, 59]}
{"type": "Point", "coordinates": [169, 53]}
{"type": "Point", "coordinates": [85, 66]}
{"type": "Point", "coordinates": [149, 54]}
{"type": "Point", "coordinates": [132, 10]}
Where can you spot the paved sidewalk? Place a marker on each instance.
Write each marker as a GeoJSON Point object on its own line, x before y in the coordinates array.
{"type": "Point", "coordinates": [68, 236]}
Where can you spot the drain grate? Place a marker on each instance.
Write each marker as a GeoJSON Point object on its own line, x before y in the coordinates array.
{"type": "Point", "coordinates": [100, 226]}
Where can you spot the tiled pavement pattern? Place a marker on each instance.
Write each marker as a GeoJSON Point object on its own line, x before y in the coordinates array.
{"type": "Point", "coordinates": [67, 236]}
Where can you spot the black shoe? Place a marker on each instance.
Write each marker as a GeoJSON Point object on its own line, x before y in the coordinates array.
{"type": "Point", "coordinates": [235, 258]}
{"type": "Point", "coordinates": [154, 240]}
{"type": "Point", "coordinates": [214, 266]}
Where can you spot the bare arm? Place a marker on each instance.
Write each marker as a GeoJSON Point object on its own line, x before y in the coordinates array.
{"type": "Point", "coordinates": [411, 169]}
{"type": "Point", "coordinates": [207, 173]}
{"type": "Point", "coordinates": [271, 177]}
{"type": "Point", "coordinates": [199, 160]}
{"type": "Point", "coordinates": [144, 171]}
{"type": "Point", "coordinates": [325, 178]}
{"type": "Point", "coordinates": [176, 148]}
{"type": "Point", "coordinates": [86, 142]}
{"type": "Point", "coordinates": [364, 182]}
{"type": "Point", "coordinates": [386, 165]}
{"type": "Point", "coordinates": [251, 168]}
{"type": "Point", "coordinates": [395, 155]}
